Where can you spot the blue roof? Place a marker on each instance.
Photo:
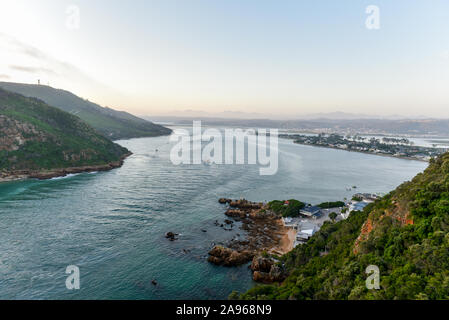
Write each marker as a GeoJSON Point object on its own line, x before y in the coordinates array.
{"type": "Point", "coordinates": [360, 205]}
{"type": "Point", "coordinates": [311, 209]}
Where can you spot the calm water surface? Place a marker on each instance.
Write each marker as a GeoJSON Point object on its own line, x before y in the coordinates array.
{"type": "Point", "coordinates": [112, 224]}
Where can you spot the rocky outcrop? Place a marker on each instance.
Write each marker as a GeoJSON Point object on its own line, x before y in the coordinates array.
{"type": "Point", "coordinates": [222, 256]}
{"type": "Point", "coordinates": [262, 264]}
{"type": "Point", "coordinates": [236, 213]}
{"type": "Point", "coordinates": [14, 133]}
{"type": "Point", "coordinates": [266, 270]}
{"type": "Point", "coordinates": [400, 212]}
{"type": "Point", "coordinates": [278, 273]}
{"type": "Point", "coordinates": [245, 205]}
{"type": "Point", "coordinates": [171, 236]}
{"type": "Point", "coordinates": [264, 232]}
{"type": "Point", "coordinates": [241, 209]}
{"type": "Point", "coordinates": [364, 233]}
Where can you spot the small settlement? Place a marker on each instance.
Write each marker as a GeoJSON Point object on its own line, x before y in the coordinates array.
{"type": "Point", "coordinates": [312, 217]}
{"type": "Point", "coordinates": [395, 147]}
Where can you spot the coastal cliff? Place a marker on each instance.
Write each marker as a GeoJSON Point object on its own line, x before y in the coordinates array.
{"type": "Point", "coordinates": [112, 124]}
{"type": "Point", "coordinates": [39, 141]}
{"type": "Point", "coordinates": [405, 234]}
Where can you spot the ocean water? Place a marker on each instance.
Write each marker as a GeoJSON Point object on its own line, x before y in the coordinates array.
{"type": "Point", "coordinates": [112, 224]}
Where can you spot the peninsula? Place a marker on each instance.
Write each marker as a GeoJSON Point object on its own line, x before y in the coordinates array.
{"type": "Point", "coordinates": [113, 124]}
{"type": "Point", "coordinates": [393, 147]}
{"type": "Point", "coordinates": [40, 141]}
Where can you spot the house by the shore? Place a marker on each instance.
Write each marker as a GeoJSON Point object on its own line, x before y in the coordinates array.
{"type": "Point", "coordinates": [311, 212]}
{"type": "Point", "coordinates": [305, 231]}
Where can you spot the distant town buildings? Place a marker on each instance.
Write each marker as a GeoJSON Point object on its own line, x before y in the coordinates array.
{"type": "Point", "coordinates": [395, 147]}
{"type": "Point", "coordinates": [312, 217]}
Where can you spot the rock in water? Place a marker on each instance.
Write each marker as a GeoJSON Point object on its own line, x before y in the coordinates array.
{"type": "Point", "coordinates": [262, 264]}
{"type": "Point", "coordinates": [171, 236]}
{"type": "Point", "coordinates": [266, 270]}
{"type": "Point", "coordinates": [220, 255]}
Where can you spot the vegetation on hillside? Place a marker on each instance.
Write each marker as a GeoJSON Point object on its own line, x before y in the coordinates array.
{"type": "Point", "coordinates": [36, 136]}
{"type": "Point", "coordinates": [405, 234]}
{"type": "Point", "coordinates": [290, 208]}
{"type": "Point", "coordinates": [112, 124]}
{"type": "Point", "coordinates": [329, 205]}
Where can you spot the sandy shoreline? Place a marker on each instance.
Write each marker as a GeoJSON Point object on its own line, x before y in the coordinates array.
{"type": "Point", "coordinates": [287, 241]}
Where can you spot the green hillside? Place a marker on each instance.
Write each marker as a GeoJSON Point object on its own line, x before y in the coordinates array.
{"type": "Point", "coordinates": [113, 124]}
{"type": "Point", "coordinates": [405, 234]}
{"type": "Point", "coordinates": [35, 136]}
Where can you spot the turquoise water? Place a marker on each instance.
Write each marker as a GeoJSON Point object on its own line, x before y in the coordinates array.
{"type": "Point", "coordinates": [112, 224]}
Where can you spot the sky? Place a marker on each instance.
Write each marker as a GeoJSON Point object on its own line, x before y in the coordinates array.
{"type": "Point", "coordinates": [283, 58]}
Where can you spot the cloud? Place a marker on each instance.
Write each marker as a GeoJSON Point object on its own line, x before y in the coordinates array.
{"type": "Point", "coordinates": [32, 69]}
{"type": "Point", "coordinates": [32, 52]}
{"type": "Point", "coordinates": [4, 77]}
{"type": "Point", "coordinates": [45, 63]}
{"type": "Point", "coordinates": [40, 62]}
{"type": "Point", "coordinates": [27, 59]}
{"type": "Point", "coordinates": [25, 49]}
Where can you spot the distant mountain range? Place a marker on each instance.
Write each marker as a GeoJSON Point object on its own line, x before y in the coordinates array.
{"type": "Point", "coordinates": [235, 115]}
{"type": "Point", "coordinates": [41, 141]}
{"type": "Point", "coordinates": [432, 127]}
{"type": "Point", "coordinates": [355, 116]}
{"type": "Point", "coordinates": [112, 124]}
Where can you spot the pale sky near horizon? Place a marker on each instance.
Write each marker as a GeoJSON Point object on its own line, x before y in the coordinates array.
{"type": "Point", "coordinates": [286, 57]}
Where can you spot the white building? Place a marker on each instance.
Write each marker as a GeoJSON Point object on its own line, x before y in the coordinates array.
{"type": "Point", "coordinates": [355, 206]}
{"type": "Point", "coordinates": [306, 231]}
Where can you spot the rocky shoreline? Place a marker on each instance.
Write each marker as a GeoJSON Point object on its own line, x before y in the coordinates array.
{"type": "Point", "coordinates": [265, 232]}
{"type": "Point", "coordinates": [54, 173]}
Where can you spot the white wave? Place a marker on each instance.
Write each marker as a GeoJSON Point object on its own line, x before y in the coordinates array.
{"type": "Point", "coordinates": [70, 175]}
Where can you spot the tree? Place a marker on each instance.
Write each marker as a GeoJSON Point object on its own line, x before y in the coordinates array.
{"type": "Point", "coordinates": [333, 216]}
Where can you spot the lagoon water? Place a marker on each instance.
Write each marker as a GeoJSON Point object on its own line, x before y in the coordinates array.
{"type": "Point", "coordinates": [112, 224]}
